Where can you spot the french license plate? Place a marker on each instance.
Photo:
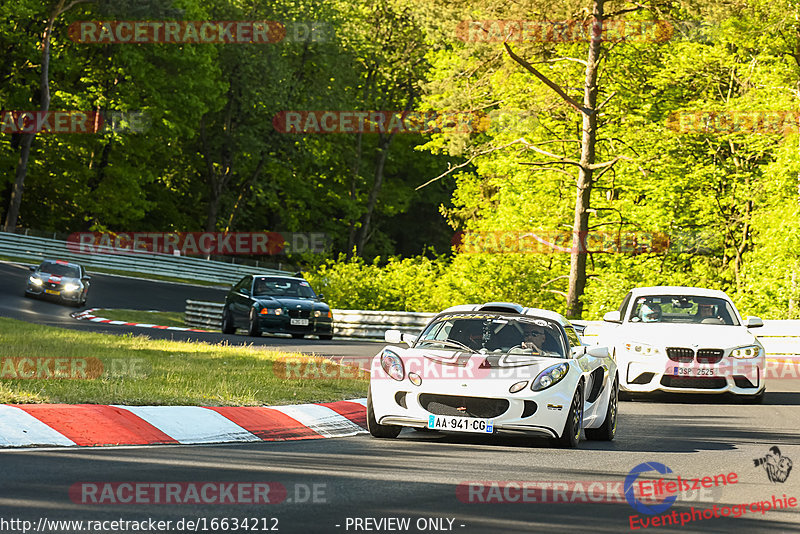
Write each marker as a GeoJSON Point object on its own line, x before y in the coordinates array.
{"type": "Point", "coordinates": [693, 371]}
{"type": "Point", "coordinates": [52, 292]}
{"type": "Point", "coordinates": [460, 424]}
{"type": "Point", "coordinates": [298, 322]}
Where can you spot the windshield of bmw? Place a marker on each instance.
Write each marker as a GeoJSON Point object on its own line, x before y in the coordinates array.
{"type": "Point", "coordinates": [60, 269]}
{"type": "Point", "coordinates": [282, 288]}
{"type": "Point", "coordinates": [494, 334]}
{"type": "Point", "coordinates": [683, 309]}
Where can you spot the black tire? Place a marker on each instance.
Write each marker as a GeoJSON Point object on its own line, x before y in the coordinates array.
{"type": "Point", "coordinates": [253, 329]}
{"type": "Point", "coordinates": [379, 431]}
{"type": "Point", "coordinates": [326, 337]}
{"type": "Point", "coordinates": [227, 324]}
{"type": "Point", "coordinates": [608, 429]}
{"type": "Point", "coordinates": [625, 396]}
{"type": "Point", "coordinates": [298, 336]}
{"type": "Point", "coordinates": [571, 435]}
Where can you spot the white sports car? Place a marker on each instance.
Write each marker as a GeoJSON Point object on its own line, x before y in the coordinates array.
{"type": "Point", "coordinates": [490, 368]}
{"type": "Point", "coordinates": [686, 340]}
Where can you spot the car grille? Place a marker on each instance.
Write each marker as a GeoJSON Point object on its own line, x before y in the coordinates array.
{"type": "Point", "coordinates": [680, 354]}
{"type": "Point", "coordinates": [463, 406]}
{"type": "Point", "coordinates": [693, 382]}
{"type": "Point", "coordinates": [299, 314]}
{"type": "Point", "coordinates": [709, 355]}
{"type": "Point", "coordinates": [743, 382]}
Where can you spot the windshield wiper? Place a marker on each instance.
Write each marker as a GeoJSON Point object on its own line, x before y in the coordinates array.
{"type": "Point", "coordinates": [450, 343]}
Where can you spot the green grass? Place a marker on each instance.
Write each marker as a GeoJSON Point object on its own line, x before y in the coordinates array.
{"type": "Point", "coordinates": [165, 372]}
{"type": "Point", "coordinates": [138, 316]}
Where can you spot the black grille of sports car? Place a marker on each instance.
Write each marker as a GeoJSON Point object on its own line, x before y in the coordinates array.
{"type": "Point", "coordinates": [691, 382]}
{"type": "Point", "coordinates": [299, 314]}
{"type": "Point", "coordinates": [463, 406]}
{"type": "Point", "coordinates": [709, 355]}
{"type": "Point", "coordinates": [743, 382]}
{"type": "Point", "coordinates": [680, 354]}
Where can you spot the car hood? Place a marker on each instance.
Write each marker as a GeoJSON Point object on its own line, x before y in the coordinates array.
{"type": "Point", "coordinates": [682, 335]}
{"type": "Point", "coordinates": [47, 277]}
{"type": "Point", "coordinates": [292, 302]}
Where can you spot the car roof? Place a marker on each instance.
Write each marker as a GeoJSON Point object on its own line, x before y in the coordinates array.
{"type": "Point", "coordinates": [679, 290]}
{"type": "Point", "coordinates": [510, 307]}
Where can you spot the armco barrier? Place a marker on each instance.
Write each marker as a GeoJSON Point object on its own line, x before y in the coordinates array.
{"type": "Point", "coordinates": [346, 323]}
{"type": "Point", "coordinates": [39, 248]}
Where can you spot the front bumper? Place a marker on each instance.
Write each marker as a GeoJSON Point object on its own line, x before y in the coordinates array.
{"type": "Point", "coordinates": [60, 294]}
{"type": "Point", "coordinates": [659, 373]}
{"type": "Point", "coordinates": [282, 324]}
{"type": "Point", "coordinates": [543, 412]}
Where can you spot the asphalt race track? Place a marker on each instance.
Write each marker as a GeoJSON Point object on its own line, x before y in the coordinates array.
{"type": "Point", "coordinates": [360, 480]}
{"type": "Point", "coordinates": [109, 291]}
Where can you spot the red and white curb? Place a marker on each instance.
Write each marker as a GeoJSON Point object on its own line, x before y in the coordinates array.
{"type": "Point", "coordinates": [86, 315]}
{"type": "Point", "coordinates": [86, 425]}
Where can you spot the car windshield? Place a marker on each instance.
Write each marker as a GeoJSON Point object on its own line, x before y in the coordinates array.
{"type": "Point", "coordinates": [683, 309]}
{"type": "Point", "coordinates": [60, 269]}
{"type": "Point", "coordinates": [494, 334]}
{"type": "Point", "coordinates": [282, 287]}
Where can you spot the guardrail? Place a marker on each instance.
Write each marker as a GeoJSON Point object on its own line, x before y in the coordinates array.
{"type": "Point", "coordinates": [781, 339]}
{"type": "Point", "coordinates": [39, 248]}
{"type": "Point", "coordinates": [346, 323]}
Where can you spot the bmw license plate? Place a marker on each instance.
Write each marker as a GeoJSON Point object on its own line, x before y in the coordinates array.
{"type": "Point", "coordinates": [460, 424]}
{"type": "Point", "coordinates": [298, 322]}
{"type": "Point", "coordinates": [693, 371]}
{"type": "Point", "coordinates": [52, 292]}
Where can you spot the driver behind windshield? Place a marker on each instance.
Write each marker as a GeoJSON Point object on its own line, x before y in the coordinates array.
{"type": "Point", "coordinates": [533, 337]}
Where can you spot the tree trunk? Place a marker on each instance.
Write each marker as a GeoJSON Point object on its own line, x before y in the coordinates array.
{"type": "Point", "coordinates": [580, 224]}
{"type": "Point", "coordinates": [363, 232]}
{"type": "Point", "coordinates": [44, 106]}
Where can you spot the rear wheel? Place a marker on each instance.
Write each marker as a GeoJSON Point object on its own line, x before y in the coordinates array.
{"type": "Point", "coordinates": [253, 328]}
{"type": "Point", "coordinates": [571, 435]}
{"type": "Point", "coordinates": [379, 431]}
{"type": "Point", "coordinates": [608, 429]}
{"type": "Point", "coordinates": [227, 322]}
{"type": "Point", "coordinates": [326, 337]}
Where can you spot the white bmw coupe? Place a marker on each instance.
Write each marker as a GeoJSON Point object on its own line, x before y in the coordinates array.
{"type": "Point", "coordinates": [684, 340]}
{"type": "Point", "coordinates": [492, 368]}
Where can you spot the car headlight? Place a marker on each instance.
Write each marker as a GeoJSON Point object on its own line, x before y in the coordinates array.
{"type": "Point", "coordinates": [393, 365]}
{"type": "Point", "coordinates": [519, 386]}
{"type": "Point", "coordinates": [70, 287]}
{"type": "Point", "coordinates": [318, 313]}
{"type": "Point", "coordinates": [35, 281]}
{"type": "Point", "coordinates": [274, 311]}
{"type": "Point", "coordinates": [550, 376]}
{"type": "Point", "coordinates": [750, 351]}
{"type": "Point", "coordinates": [642, 348]}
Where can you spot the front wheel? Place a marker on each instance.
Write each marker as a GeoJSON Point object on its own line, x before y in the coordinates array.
{"type": "Point", "coordinates": [253, 328]}
{"type": "Point", "coordinates": [608, 429]}
{"type": "Point", "coordinates": [227, 322]}
{"type": "Point", "coordinates": [571, 435]}
{"type": "Point", "coordinates": [377, 430]}
{"type": "Point", "coordinates": [326, 337]}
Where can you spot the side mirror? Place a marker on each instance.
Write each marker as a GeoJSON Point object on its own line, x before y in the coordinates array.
{"type": "Point", "coordinates": [598, 352]}
{"type": "Point", "coordinates": [320, 296]}
{"type": "Point", "coordinates": [393, 336]}
{"type": "Point", "coordinates": [32, 268]}
{"type": "Point", "coordinates": [612, 317]}
{"type": "Point", "coordinates": [753, 322]}
{"type": "Point", "coordinates": [86, 278]}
